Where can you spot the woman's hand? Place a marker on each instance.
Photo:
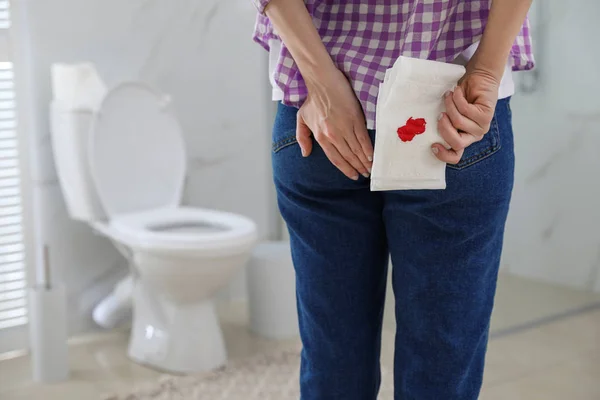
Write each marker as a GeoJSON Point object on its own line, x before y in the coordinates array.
{"type": "Point", "coordinates": [470, 109]}
{"type": "Point", "coordinates": [469, 112]}
{"type": "Point", "coordinates": [332, 114]}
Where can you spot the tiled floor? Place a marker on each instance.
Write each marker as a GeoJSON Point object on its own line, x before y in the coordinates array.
{"type": "Point", "coordinates": [552, 361]}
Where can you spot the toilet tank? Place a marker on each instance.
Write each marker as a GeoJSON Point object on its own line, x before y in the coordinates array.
{"type": "Point", "coordinates": [70, 130]}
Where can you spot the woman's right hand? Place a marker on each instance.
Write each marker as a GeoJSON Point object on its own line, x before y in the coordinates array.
{"type": "Point", "coordinates": [332, 114]}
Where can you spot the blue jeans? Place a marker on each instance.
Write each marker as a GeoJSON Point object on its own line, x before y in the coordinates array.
{"type": "Point", "coordinates": [445, 247]}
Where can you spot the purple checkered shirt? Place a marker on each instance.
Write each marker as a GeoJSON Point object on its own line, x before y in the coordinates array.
{"type": "Point", "coordinates": [365, 37]}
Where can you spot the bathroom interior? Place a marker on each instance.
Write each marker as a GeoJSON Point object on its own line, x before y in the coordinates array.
{"type": "Point", "coordinates": [67, 287]}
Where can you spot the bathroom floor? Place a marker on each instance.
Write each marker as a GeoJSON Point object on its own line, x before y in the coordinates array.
{"type": "Point", "coordinates": [545, 345]}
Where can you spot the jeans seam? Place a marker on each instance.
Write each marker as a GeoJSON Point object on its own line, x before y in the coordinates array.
{"type": "Point", "coordinates": [283, 143]}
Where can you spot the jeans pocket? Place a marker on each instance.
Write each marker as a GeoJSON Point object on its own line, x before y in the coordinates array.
{"type": "Point", "coordinates": [284, 140]}
{"type": "Point", "coordinates": [284, 128]}
{"type": "Point", "coordinates": [482, 149]}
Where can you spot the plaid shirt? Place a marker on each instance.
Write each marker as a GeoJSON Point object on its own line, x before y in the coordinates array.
{"type": "Point", "coordinates": [365, 37]}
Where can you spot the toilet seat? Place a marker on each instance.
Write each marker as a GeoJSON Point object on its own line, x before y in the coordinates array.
{"type": "Point", "coordinates": [184, 228]}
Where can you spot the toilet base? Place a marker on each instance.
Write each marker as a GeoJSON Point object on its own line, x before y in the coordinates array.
{"type": "Point", "coordinates": [181, 339]}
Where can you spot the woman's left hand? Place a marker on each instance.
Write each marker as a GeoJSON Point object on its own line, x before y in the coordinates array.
{"type": "Point", "coordinates": [469, 112]}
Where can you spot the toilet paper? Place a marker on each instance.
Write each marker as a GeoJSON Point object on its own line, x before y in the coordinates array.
{"type": "Point", "coordinates": [77, 86]}
{"type": "Point", "coordinates": [409, 103]}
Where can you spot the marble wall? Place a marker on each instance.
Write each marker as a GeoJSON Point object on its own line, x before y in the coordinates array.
{"type": "Point", "coordinates": [552, 232]}
{"type": "Point", "coordinates": [202, 54]}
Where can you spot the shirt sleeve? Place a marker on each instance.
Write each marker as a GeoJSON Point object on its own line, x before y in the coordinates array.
{"type": "Point", "coordinates": [261, 5]}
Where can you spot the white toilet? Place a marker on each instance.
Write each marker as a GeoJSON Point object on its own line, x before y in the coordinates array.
{"type": "Point", "coordinates": [122, 170]}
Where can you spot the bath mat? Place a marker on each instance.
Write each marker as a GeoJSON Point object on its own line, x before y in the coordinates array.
{"type": "Point", "coordinates": [264, 377]}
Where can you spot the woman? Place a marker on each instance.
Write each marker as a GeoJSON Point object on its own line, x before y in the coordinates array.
{"type": "Point", "coordinates": [328, 58]}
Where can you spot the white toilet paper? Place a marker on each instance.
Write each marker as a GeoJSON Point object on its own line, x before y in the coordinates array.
{"type": "Point", "coordinates": [77, 86]}
{"type": "Point", "coordinates": [409, 103]}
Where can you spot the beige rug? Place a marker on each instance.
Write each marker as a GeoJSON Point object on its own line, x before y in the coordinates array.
{"type": "Point", "coordinates": [264, 377]}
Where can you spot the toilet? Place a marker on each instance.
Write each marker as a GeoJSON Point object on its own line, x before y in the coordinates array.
{"type": "Point", "coordinates": [122, 170]}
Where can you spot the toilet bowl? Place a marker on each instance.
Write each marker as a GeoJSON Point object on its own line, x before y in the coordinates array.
{"type": "Point", "coordinates": [122, 170]}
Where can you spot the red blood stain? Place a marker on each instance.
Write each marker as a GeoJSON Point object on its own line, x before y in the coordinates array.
{"type": "Point", "coordinates": [412, 128]}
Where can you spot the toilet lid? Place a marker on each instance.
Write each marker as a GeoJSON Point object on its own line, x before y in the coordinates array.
{"type": "Point", "coordinates": [137, 154]}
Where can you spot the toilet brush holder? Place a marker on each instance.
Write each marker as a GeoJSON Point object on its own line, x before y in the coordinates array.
{"type": "Point", "coordinates": [48, 330]}
{"type": "Point", "coordinates": [48, 334]}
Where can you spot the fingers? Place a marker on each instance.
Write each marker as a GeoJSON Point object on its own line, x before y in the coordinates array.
{"type": "Point", "coordinates": [451, 135]}
{"type": "Point", "coordinates": [474, 112]}
{"type": "Point", "coordinates": [303, 136]}
{"type": "Point", "coordinates": [342, 146]}
{"type": "Point", "coordinates": [456, 140]}
{"type": "Point", "coordinates": [460, 126]}
{"type": "Point", "coordinates": [351, 154]}
{"type": "Point", "coordinates": [362, 135]}
{"type": "Point", "coordinates": [349, 149]}
{"type": "Point", "coordinates": [338, 161]}
{"type": "Point", "coordinates": [458, 120]}
{"type": "Point", "coordinates": [357, 149]}
{"type": "Point", "coordinates": [449, 156]}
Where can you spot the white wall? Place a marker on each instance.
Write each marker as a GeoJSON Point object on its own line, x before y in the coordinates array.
{"type": "Point", "coordinates": [199, 51]}
{"type": "Point", "coordinates": [553, 232]}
